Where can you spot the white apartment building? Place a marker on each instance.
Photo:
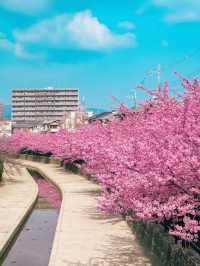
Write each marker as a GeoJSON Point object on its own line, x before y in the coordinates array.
{"type": "Point", "coordinates": [37, 105]}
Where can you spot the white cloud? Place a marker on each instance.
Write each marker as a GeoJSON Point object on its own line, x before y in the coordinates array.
{"type": "Point", "coordinates": [25, 6]}
{"type": "Point", "coordinates": [127, 25]}
{"type": "Point", "coordinates": [142, 8]}
{"type": "Point", "coordinates": [77, 31]}
{"type": "Point", "coordinates": [179, 17]}
{"type": "Point", "coordinates": [179, 11]}
{"type": "Point", "coordinates": [5, 44]}
{"type": "Point", "coordinates": [164, 43]}
{"type": "Point", "coordinates": [21, 52]}
{"type": "Point", "coordinates": [16, 48]}
{"type": "Point", "coordinates": [81, 30]}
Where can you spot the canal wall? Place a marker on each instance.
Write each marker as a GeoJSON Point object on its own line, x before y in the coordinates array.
{"type": "Point", "coordinates": [162, 247]}
{"type": "Point", "coordinates": [18, 194]}
{"type": "Point", "coordinates": [1, 169]}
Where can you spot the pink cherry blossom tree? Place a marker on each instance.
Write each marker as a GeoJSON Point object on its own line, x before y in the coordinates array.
{"type": "Point", "coordinates": [147, 161]}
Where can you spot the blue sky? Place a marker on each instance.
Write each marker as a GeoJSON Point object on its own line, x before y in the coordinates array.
{"type": "Point", "coordinates": [103, 47]}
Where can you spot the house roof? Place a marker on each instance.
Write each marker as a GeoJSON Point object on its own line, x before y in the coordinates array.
{"type": "Point", "coordinates": [99, 116]}
{"type": "Point", "coordinates": [23, 125]}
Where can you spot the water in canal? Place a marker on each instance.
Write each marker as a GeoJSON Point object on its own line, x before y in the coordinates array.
{"type": "Point", "coordinates": [33, 244]}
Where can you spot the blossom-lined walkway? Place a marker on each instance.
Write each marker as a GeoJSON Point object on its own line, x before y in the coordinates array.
{"type": "Point", "coordinates": [84, 236]}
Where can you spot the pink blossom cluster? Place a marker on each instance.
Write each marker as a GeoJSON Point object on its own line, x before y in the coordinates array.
{"type": "Point", "coordinates": [147, 161]}
{"type": "Point", "coordinates": [49, 192]}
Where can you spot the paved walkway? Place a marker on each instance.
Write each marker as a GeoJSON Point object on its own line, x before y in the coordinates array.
{"type": "Point", "coordinates": [17, 195]}
{"type": "Point", "coordinates": [84, 236]}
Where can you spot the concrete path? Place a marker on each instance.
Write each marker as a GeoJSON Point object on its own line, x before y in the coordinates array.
{"type": "Point", "coordinates": [18, 193]}
{"type": "Point", "coordinates": [84, 236]}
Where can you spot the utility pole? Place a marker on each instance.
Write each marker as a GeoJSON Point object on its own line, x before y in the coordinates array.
{"type": "Point", "coordinates": [174, 91]}
{"type": "Point", "coordinates": [158, 76]}
{"type": "Point", "coordinates": [133, 97]}
{"type": "Point", "coordinates": [83, 105]}
{"type": "Point", "coordinates": [64, 120]}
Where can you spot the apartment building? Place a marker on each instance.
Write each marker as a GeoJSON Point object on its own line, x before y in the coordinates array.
{"type": "Point", "coordinates": [37, 105]}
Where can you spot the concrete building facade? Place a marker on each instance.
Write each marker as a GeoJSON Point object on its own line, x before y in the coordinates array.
{"type": "Point", "coordinates": [37, 105]}
{"type": "Point", "coordinates": [5, 128]}
{"type": "Point", "coordinates": [1, 110]}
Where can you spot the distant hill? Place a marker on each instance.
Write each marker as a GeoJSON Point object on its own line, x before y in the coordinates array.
{"type": "Point", "coordinates": [96, 110]}
{"type": "Point", "coordinates": [7, 111]}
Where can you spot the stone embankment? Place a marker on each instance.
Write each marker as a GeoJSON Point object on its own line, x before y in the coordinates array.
{"type": "Point", "coordinates": [18, 193]}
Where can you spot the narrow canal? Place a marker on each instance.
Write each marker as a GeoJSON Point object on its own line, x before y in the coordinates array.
{"type": "Point", "coordinates": [33, 244]}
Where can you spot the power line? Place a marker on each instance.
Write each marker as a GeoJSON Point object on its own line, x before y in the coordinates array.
{"type": "Point", "coordinates": [149, 73]}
